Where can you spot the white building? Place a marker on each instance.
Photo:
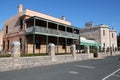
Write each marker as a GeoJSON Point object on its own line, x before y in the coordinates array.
{"type": "Point", "coordinates": [101, 34]}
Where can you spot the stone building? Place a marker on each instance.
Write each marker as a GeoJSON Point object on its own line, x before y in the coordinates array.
{"type": "Point", "coordinates": [36, 30]}
{"type": "Point", "coordinates": [1, 39]}
{"type": "Point", "coordinates": [100, 34]}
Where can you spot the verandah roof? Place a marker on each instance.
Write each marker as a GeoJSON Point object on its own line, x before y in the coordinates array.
{"type": "Point", "coordinates": [86, 42]}
{"type": "Point", "coordinates": [89, 44]}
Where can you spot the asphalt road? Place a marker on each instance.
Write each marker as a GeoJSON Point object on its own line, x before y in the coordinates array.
{"type": "Point", "coordinates": [95, 69]}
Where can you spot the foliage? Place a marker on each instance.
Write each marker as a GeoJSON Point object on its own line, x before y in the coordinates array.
{"type": "Point", "coordinates": [40, 54]}
{"type": "Point", "coordinates": [31, 54]}
{"type": "Point", "coordinates": [118, 40]}
{"type": "Point", "coordinates": [5, 55]}
{"type": "Point", "coordinates": [62, 53]}
{"type": "Point", "coordinates": [93, 50]}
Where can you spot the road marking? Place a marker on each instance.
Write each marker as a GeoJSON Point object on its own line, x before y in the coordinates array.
{"type": "Point", "coordinates": [111, 74]}
{"type": "Point", "coordinates": [73, 72]}
{"type": "Point", "coordinates": [83, 66]}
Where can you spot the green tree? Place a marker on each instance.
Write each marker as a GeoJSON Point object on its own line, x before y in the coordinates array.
{"type": "Point", "coordinates": [118, 41]}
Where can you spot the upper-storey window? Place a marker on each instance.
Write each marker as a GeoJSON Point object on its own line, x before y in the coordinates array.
{"type": "Point", "coordinates": [103, 32]}
{"type": "Point", "coordinates": [40, 23]}
{"type": "Point", "coordinates": [52, 25]}
{"type": "Point", "coordinates": [6, 29]}
{"type": "Point", "coordinates": [21, 23]}
{"type": "Point", "coordinates": [112, 35]}
{"type": "Point", "coordinates": [30, 23]}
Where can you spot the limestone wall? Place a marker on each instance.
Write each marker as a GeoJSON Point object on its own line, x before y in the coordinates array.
{"type": "Point", "coordinates": [10, 63]}
{"type": "Point", "coordinates": [27, 62]}
{"type": "Point", "coordinates": [113, 39]}
{"type": "Point", "coordinates": [6, 64]}
{"type": "Point", "coordinates": [91, 33]}
{"type": "Point", "coordinates": [105, 54]}
{"type": "Point", "coordinates": [105, 39]}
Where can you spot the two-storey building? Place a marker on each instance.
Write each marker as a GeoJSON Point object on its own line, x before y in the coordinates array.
{"type": "Point", "coordinates": [35, 31]}
{"type": "Point", "coordinates": [101, 34]}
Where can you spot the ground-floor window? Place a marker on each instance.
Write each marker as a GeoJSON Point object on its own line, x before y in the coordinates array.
{"type": "Point", "coordinates": [8, 45]}
{"type": "Point", "coordinates": [38, 44]}
{"type": "Point", "coordinates": [20, 43]}
{"type": "Point", "coordinates": [3, 45]}
{"type": "Point", "coordinates": [63, 45]}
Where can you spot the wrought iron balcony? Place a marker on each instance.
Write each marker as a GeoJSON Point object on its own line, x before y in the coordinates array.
{"type": "Point", "coordinates": [30, 29]}
{"type": "Point", "coordinates": [49, 31]}
{"type": "Point", "coordinates": [62, 33]}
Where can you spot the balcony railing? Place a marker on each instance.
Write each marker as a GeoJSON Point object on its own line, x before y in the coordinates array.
{"type": "Point", "coordinates": [40, 29]}
{"type": "Point", "coordinates": [76, 36]}
{"type": "Point", "coordinates": [69, 34]}
{"type": "Point", "coordinates": [62, 33]}
{"type": "Point", "coordinates": [30, 29]}
{"type": "Point", "coordinates": [52, 32]}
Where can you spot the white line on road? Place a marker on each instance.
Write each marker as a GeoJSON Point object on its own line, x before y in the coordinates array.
{"type": "Point", "coordinates": [83, 66]}
{"type": "Point", "coordinates": [111, 74]}
{"type": "Point", "coordinates": [73, 72]}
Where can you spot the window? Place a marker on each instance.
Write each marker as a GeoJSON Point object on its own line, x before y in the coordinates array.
{"type": "Point", "coordinates": [112, 35]}
{"type": "Point", "coordinates": [37, 44]}
{"type": "Point", "coordinates": [103, 44]}
{"type": "Point", "coordinates": [20, 43]}
{"type": "Point", "coordinates": [8, 45]}
{"type": "Point", "coordinates": [6, 29]}
{"type": "Point", "coordinates": [63, 45]}
{"type": "Point", "coordinates": [103, 32]}
{"type": "Point", "coordinates": [3, 45]}
{"type": "Point", "coordinates": [21, 23]}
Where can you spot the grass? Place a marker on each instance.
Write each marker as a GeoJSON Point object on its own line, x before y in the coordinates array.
{"type": "Point", "coordinates": [40, 54]}
{"type": "Point", "coordinates": [31, 54]}
{"type": "Point", "coordinates": [62, 53]}
{"type": "Point", "coordinates": [5, 55]}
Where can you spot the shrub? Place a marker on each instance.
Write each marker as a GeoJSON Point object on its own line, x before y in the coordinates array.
{"type": "Point", "coordinates": [31, 54]}
{"type": "Point", "coordinates": [5, 55]}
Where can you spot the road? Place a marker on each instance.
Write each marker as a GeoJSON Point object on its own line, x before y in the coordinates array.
{"type": "Point", "coordinates": [95, 69]}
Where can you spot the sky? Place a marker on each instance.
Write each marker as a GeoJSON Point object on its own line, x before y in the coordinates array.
{"type": "Point", "coordinates": [78, 12]}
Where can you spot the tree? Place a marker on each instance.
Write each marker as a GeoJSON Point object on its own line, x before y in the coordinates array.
{"type": "Point", "coordinates": [118, 41]}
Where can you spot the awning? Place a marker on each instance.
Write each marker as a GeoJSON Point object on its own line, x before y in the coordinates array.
{"type": "Point", "coordinates": [89, 44]}
{"type": "Point", "coordinates": [86, 42]}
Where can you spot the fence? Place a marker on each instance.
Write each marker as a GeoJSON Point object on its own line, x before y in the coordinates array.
{"type": "Point", "coordinates": [11, 63]}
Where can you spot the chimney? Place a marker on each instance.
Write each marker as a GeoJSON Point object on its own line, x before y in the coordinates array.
{"type": "Point", "coordinates": [63, 17]}
{"type": "Point", "coordinates": [89, 24]}
{"type": "Point", "coordinates": [20, 8]}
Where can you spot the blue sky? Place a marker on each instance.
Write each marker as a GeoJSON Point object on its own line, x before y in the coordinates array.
{"type": "Point", "coordinates": [78, 12]}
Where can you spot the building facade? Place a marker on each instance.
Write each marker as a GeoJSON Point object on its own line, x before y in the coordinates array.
{"type": "Point", "coordinates": [102, 35]}
{"type": "Point", "coordinates": [35, 31]}
{"type": "Point", "coordinates": [1, 39]}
